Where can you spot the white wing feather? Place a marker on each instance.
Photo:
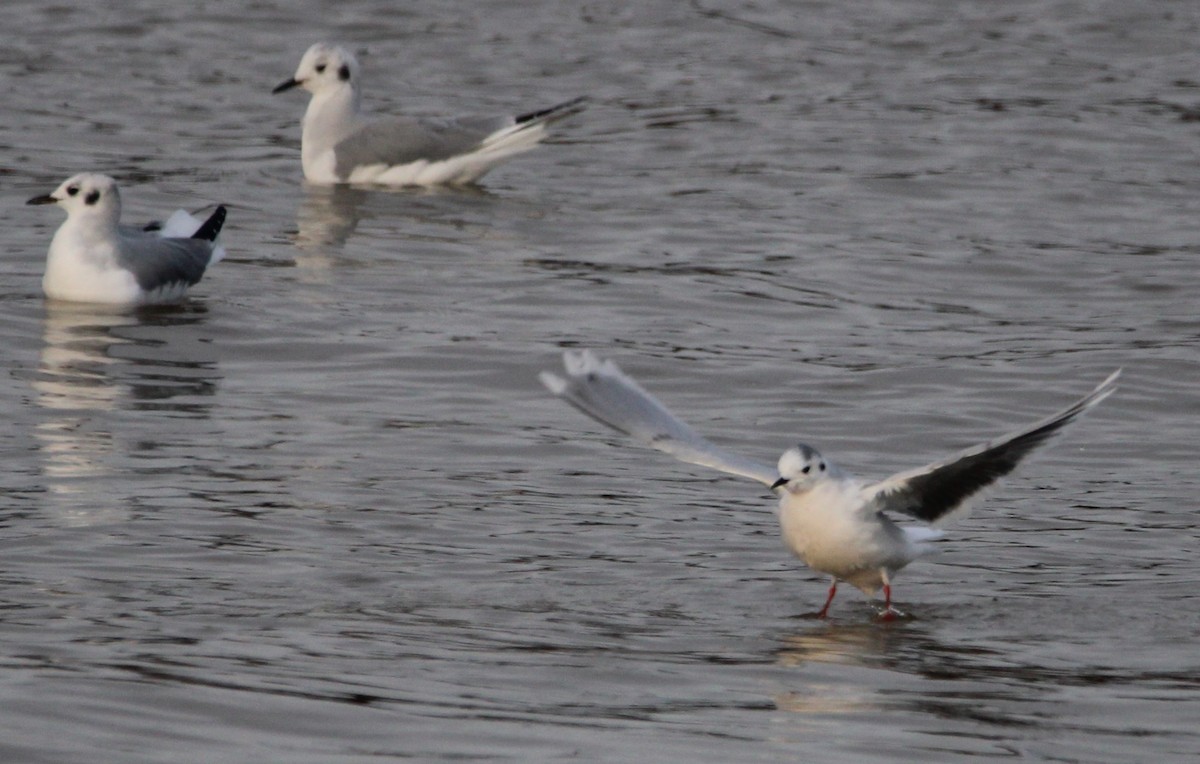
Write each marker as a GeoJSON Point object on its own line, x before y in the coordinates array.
{"type": "Point", "coordinates": [602, 391]}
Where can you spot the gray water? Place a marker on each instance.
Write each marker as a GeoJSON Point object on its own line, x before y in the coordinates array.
{"type": "Point", "coordinates": [323, 511]}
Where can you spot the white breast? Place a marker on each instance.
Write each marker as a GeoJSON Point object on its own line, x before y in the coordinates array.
{"type": "Point", "coordinates": [86, 272]}
{"type": "Point", "coordinates": [829, 530]}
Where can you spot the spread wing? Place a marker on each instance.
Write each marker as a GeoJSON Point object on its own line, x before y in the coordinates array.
{"type": "Point", "coordinates": [602, 391]}
{"type": "Point", "coordinates": [938, 492]}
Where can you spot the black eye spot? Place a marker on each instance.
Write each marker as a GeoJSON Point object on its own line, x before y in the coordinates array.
{"type": "Point", "coordinates": [72, 190]}
{"type": "Point", "coordinates": [92, 197]}
{"type": "Point", "coordinates": [343, 72]}
{"type": "Point", "coordinates": [320, 68]}
{"type": "Point", "coordinates": [822, 466]}
{"type": "Point", "coordinates": [805, 469]}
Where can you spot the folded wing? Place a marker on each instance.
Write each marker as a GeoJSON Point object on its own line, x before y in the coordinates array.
{"type": "Point", "coordinates": [401, 140]}
{"type": "Point", "coordinates": [158, 263]}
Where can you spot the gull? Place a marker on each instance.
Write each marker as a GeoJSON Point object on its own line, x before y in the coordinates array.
{"type": "Point", "coordinates": [338, 144]}
{"type": "Point", "coordinates": [93, 258]}
{"type": "Point", "coordinates": [835, 523]}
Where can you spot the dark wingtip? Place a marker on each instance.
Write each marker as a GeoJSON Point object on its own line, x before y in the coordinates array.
{"type": "Point", "coordinates": [209, 230]}
{"type": "Point", "coordinates": [554, 113]}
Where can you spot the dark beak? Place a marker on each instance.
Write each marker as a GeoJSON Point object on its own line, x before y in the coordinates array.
{"type": "Point", "coordinates": [780, 483]}
{"type": "Point", "coordinates": [45, 199]}
{"type": "Point", "coordinates": [285, 85]}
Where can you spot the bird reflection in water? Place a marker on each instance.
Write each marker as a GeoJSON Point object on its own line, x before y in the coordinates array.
{"type": "Point", "coordinates": [329, 215]}
{"type": "Point", "coordinates": [890, 664]}
{"type": "Point", "coordinates": [326, 219]}
{"type": "Point", "coordinates": [97, 361]}
{"type": "Point", "coordinates": [866, 645]}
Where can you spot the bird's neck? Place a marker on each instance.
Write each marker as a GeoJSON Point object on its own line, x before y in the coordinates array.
{"type": "Point", "coordinates": [90, 242]}
{"type": "Point", "coordinates": [331, 116]}
{"type": "Point", "coordinates": [98, 225]}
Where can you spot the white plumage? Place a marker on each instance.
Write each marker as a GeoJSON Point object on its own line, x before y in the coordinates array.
{"type": "Point", "coordinates": [93, 258]}
{"type": "Point", "coordinates": [339, 144]}
{"type": "Point", "coordinates": [835, 523]}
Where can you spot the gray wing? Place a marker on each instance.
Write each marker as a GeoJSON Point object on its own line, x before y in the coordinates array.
{"type": "Point", "coordinates": [941, 491]}
{"type": "Point", "coordinates": [137, 230]}
{"type": "Point", "coordinates": [602, 391]}
{"type": "Point", "coordinates": [157, 262]}
{"type": "Point", "coordinates": [400, 140]}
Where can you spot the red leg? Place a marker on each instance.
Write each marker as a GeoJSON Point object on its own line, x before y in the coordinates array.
{"type": "Point", "coordinates": [832, 591]}
{"type": "Point", "coordinates": [889, 613]}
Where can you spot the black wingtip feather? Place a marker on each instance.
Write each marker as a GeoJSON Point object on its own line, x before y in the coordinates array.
{"type": "Point", "coordinates": [211, 228]}
{"type": "Point", "coordinates": [553, 113]}
{"type": "Point", "coordinates": [939, 493]}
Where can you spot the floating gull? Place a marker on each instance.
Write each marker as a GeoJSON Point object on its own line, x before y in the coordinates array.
{"type": "Point", "coordinates": [93, 258]}
{"type": "Point", "coordinates": [835, 523]}
{"type": "Point", "coordinates": [338, 144]}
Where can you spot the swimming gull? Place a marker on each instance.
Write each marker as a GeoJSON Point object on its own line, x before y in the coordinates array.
{"type": "Point", "coordinates": [338, 144]}
{"type": "Point", "coordinates": [94, 258]}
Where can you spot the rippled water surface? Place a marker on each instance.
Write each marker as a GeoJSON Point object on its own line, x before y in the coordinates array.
{"type": "Point", "coordinates": [323, 511]}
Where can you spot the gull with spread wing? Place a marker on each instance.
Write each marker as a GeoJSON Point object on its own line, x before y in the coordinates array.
{"type": "Point", "coordinates": [835, 523]}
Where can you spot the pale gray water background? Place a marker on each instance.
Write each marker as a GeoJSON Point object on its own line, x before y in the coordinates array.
{"type": "Point", "coordinates": [323, 512]}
